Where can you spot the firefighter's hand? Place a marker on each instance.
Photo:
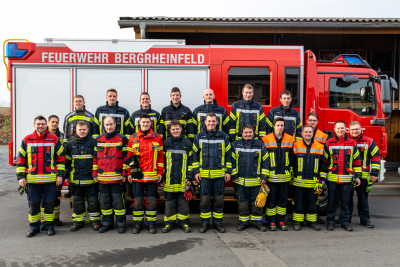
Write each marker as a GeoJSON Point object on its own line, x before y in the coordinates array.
{"type": "Point", "coordinates": [323, 183]}
{"type": "Point", "coordinates": [188, 183]}
{"type": "Point", "coordinates": [227, 177]}
{"type": "Point", "coordinates": [374, 179]}
{"type": "Point", "coordinates": [162, 184]}
{"type": "Point", "coordinates": [197, 177]}
{"type": "Point", "coordinates": [130, 178]}
{"type": "Point", "coordinates": [59, 180]}
{"type": "Point", "coordinates": [358, 182]}
{"type": "Point", "coordinates": [263, 182]}
{"type": "Point", "coordinates": [95, 179]}
{"type": "Point", "coordinates": [123, 178]}
{"type": "Point", "coordinates": [291, 182]}
{"type": "Point", "coordinates": [159, 177]}
{"type": "Point", "coordinates": [22, 182]}
{"type": "Point", "coordinates": [68, 181]}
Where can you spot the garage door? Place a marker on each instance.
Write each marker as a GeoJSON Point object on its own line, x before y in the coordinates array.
{"type": "Point", "coordinates": [94, 83]}
{"type": "Point", "coordinates": [192, 84]}
{"type": "Point", "coordinates": [39, 91]}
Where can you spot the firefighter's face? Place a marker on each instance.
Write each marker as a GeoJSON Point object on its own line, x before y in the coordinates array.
{"type": "Point", "coordinates": [82, 131]}
{"type": "Point", "coordinates": [312, 121]}
{"type": "Point", "coordinates": [247, 94]}
{"type": "Point", "coordinates": [307, 133]}
{"type": "Point", "coordinates": [112, 98]}
{"type": "Point", "coordinates": [355, 130]}
{"type": "Point", "coordinates": [285, 100]}
{"type": "Point", "coordinates": [247, 134]}
{"type": "Point", "coordinates": [340, 129]}
{"type": "Point", "coordinates": [109, 125]}
{"type": "Point", "coordinates": [209, 96]}
{"type": "Point", "coordinates": [279, 127]}
{"type": "Point", "coordinates": [145, 101]}
{"type": "Point", "coordinates": [211, 123]}
{"type": "Point", "coordinates": [53, 124]}
{"type": "Point", "coordinates": [40, 126]}
{"type": "Point", "coordinates": [79, 103]}
{"type": "Point", "coordinates": [176, 130]}
{"type": "Point", "coordinates": [176, 97]}
{"type": "Point", "coordinates": [145, 124]}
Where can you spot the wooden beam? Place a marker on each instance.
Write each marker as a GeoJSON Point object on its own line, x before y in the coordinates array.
{"type": "Point", "coordinates": [137, 32]}
{"type": "Point", "coordinates": [272, 30]}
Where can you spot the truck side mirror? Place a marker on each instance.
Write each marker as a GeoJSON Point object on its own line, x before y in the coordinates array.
{"type": "Point", "coordinates": [385, 90]}
{"type": "Point", "coordinates": [386, 109]}
{"type": "Point", "coordinates": [346, 80]}
{"type": "Point", "coordinates": [393, 84]}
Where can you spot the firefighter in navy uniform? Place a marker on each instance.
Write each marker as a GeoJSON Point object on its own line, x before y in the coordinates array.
{"type": "Point", "coordinates": [250, 167]}
{"type": "Point", "coordinates": [110, 170]}
{"type": "Point", "coordinates": [292, 118]}
{"type": "Point", "coordinates": [279, 146]}
{"type": "Point", "coordinates": [79, 166]}
{"type": "Point", "coordinates": [148, 146]}
{"type": "Point", "coordinates": [321, 137]}
{"type": "Point", "coordinates": [145, 108]}
{"type": "Point", "coordinates": [247, 111]}
{"type": "Point", "coordinates": [120, 114]}
{"type": "Point", "coordinates": [79, 114]}
{"type": "Point", "coordinates": [309, 166]}
{"type": "Point", "coordinates": [370, 157]}
{"type": "Point", "coordinates": [212, 167]}
{"type": "Point", "coordinates": [176, 111]}
{"type": "Point", "coordinates": [177, 175]}
{"type": "Point", "coordinates": [40, 168]}
{"type": "Point", "coordinates": [210, 105]}
{"type": "Point", "coordinates": [52, 128]}
{"type": "Point", "coordinates": [344, 168]}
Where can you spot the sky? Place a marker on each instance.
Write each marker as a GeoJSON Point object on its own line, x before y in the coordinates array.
{"type": "Point", "coordinates": [36, 20]}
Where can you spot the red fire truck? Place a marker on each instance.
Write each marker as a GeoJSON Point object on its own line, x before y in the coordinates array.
{"type": "Point", "coordinates": [44, 77]}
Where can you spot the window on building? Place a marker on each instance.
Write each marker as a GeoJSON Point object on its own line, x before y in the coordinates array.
{"type": "Point", "coordinates": [292, 84]}
{"type": "Point", "coordinates": [256, 76]}
{"type": "Point", "coordinates": [358, 97]}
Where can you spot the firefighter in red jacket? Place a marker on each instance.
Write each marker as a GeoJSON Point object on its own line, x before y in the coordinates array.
{"type": "Point", "coordinates": [148, 146]}
{"type": "Point", "coordinates": [109, 170]}
{"type": "Point", "coordinates": [371, 165]}
{"type": "Point", "coordinates": [40, 167]}
{"type": "Point", "coordinates": [344, 168]}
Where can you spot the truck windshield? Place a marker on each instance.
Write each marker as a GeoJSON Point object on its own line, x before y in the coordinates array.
{"type": "Point", "coordinates": [358, 97]}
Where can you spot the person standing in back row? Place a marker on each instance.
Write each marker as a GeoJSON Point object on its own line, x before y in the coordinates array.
{"type": "Point", "coordinates": [247, 111]}
{"type": "Point", "coordinates": [145, 108]}
{"type": "Point", "coordinates": [113, 109]}
{"type": "Point", "coordinates": [176, 111]}
{"type": "Point", "coordinates": [292, 118]}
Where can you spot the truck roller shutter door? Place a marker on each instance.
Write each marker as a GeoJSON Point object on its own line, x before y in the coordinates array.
{"type": "Point", "coordinates": [94, 83]}
{"type": "Point", "coordinates": [192, 84]}
{"type": "Point", "coordinates": [39, 91]}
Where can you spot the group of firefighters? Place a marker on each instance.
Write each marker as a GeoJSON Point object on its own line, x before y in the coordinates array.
{"type": "Point", "coordinates": [99, 154]}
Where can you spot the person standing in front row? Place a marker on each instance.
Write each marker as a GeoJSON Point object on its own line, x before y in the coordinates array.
{"type": "Point", "coordinates": [212, 167]}
{"type": "Point", "coordinates": [110, 170]}
{"type": "Point", "coordinates": [176, 111]}
{"type": "Point", "coordinates": [247, 111]}
{"type": "Point", "coordinates": [279, 146]}
{"type": "Point", "coordinates": [40, 168]}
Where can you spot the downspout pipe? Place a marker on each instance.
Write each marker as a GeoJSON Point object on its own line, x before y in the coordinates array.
{"type": "Point", "coordinates": [142, 26]}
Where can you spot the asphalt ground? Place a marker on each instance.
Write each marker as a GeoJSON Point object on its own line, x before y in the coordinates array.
{"type": "Point", "coordinates": [363, 247]}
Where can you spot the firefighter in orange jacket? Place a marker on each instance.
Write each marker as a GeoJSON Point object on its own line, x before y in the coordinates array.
{"type": "Point", "coordinates": [321, 137]}
{"type": "Point", "coordinates": [40, 167]}
{"type": "Point", "coordinates": [149, 147]}
{"type": "Point", "coordinates": [279, 146]}
{"type": "Point", "coordinates": [109, 170]}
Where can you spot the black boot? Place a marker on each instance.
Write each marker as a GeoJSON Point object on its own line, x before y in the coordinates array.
{"type": "Point", "coordinates": [105, 228]}
{"type": "Point", "coordinates": [320, 220]}
{"type": "Point", "coordinates": [219, 227]}
{"type": "Point", "coordinates": [136, 229]}
{"type": "Point", "coordinates": [297, 226]}
{"type": "Point", "coordinates": [57, 222]}
{"type": "Point", "coordinates": [347, 228]}
{"type": "Point", "coordinates": [260, 227]}
{"type": "Point", "coordinates": [167, 228]}
{"type": "Point", "coordinates": [32, 232]}
{"type": "Point", "coordinates": [241, 227]}
{"type": "Point", "coordinates": [367, 224]}
{"type": "Point", "coordinates": [186, 228]}
{"type": "Point", "coordinates": [204, 227]}
{"type": "Point", "coordinates": [76, 227]}
{"type": "Point", "coordinates": [152, 229]}
{"type": "Point", "coordinates": [42, 227]}
{"type": "Point", "coordinates": [96, 226]}
{"type": "Point", "coordinates": [314, 226]}
{"type": "Point", "coordinates": [51, 232]}
{"type": "Point", "coordinates": [121, 230]}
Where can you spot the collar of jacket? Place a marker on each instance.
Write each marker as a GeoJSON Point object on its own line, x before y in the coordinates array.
{"type": "Point", "coordinates": [81, 110]}
{"type": "Point", "coordinates": [84, 139]}
{"type": "Point", "coordinates": [173, 106]}
{"type": "Point", "coordinates": [176, 139]}
{"type": "Point", "coordinates": [286, 109]}
{"type": "Point", "coordinates": [41, 136]}
{"type": "Point", "coordinates": [357, 139]}
{"type": "Point", "coordinates": [150, 134]}
{"type": "Point", "coordinates": [212, 133]}
{"type": "Point", "coordinates": [143, 109]}
{"type": "Point", "coordinates": [58, 133]}
{"type": "Point", "coordinates": [213, 103]}
{"type": "Point", "coordinates": [248, 141]}
{"type": "Point", "coordinates": [344, 138]}
{"type": "Point", "coordinates": [250, 102]}
{"type": "Point", "coordinates": [110, 135]}
{"type": "Point", "coordinates": [116, 105]}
